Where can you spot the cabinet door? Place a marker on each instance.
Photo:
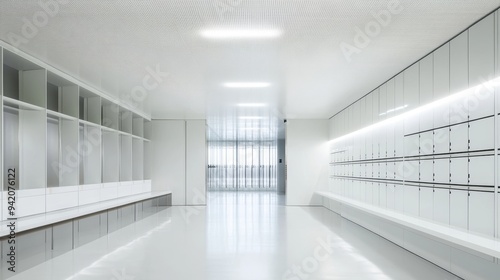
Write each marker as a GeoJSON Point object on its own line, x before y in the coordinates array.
{"type": "Point", "coordinates": [411, 200]}
{"type": "Point", "coordinates": [375, 193]}
{"type": "Point", "coordinates": [411, 170]}
{"type": "Point", "coordinates": [442, 206]}
{"type": "Point", "coordinates": [442, 171]}
{"type": "Point", "coordinates": [482, 171]}
{"type": "Point", "coordinates": [426, 170]}
{"type": "Point", "coordinates": [482, 66]}
{"type": "Point", "coordinates": [442, 141]}
{"type": "Point", "coordinates": [412, 144]}
{"type": "Point", "coordinates": [426, 203]}
{"type": "Point", "coordinates": [459, 138]}
{"type": "Point", "coordinates": [459, 208]}
{"type": "Point", "coordinates": [482, 134]}
{"type": "Point", "coordinates": [383, 195]}
{"type": "Point", "coordinates": [391, 169]}
{"type": "Point", "coordinates": [400, 170]}
{"type": "Point", "coordinates": [390, 141]}
{"type": "Point", "coordinates": [411, 88]}
{"type": "Point", "coordinates": [391, 196]}
{"type": "Point", "coordinates": [482, 212]}
{"type": "Point", "coordinates": [459, 171]}
{"type": "Point", "coordinates": [399, 139]}
{"type": "Point", "coordinates": [441, 73]}
{"type": "Point", "coordinates": [459, 74]}
{"type": "Point", "coordinates": [399, 198]}
{"type": "Point", "coordinates": [427, 143]}
{"type": "Point", "coordinates": [383, 170]}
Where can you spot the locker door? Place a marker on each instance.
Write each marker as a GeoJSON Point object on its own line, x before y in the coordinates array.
{"type": "Point", "coordinates": [459, 170]}
{"type": "Point", "coordinates": [375, 193]}
{"type": "Point", "coordinates": [383, 170]}
{"type": "Point", "coordinates": [442, 206]}
{"type": "Point", "coordinates": [382, 144]}
{"type": "Point", "coordinates": [458, 208]}
{"type": "Point", "coordinates": [482, 134]}
{"type": "Point", "coordinates": [390, 141]}
{"type": "Point", "coordinates": [367, 192]}
{"type": "Point", "coordinates": [411, 170]}
{"type": "Point", "coordinates": [482, 212]}
{"type": "Point", "coordinates": [412, 144]}
{"type": "Point", "coordinates": [356, 191]}
{"type": "Point", "coordinates": [441, 81]}
{"type": "Point", "coordinates": [426, 203]}
{"type": "Point", "coordinates": [399, 198]}
{"type": "Point", "coordinates": [390, 170]}
{"type": "Point", "coordinates": [426, 170]}
{"type": "Point", "coordinates": [411, 90]}
{"type": "Point", "coordinates": [482, 170]}
{"type": "Point", "coordinates": [459, 75]}
{"type": "Point", "coordinates": [442, 141]}
{"type": "Point", "coordinates": [459, 138]}
{"type": "Point", "coordinates": [442, 171]}
{"type": "Point", "coordinates": [426, 143]}
{"type": "Point", "coordinates": [399, 139]}
{"type": "Point", "coordinates": [391, 196]}
{"type": "Point", "coordinates": [369, 170]}
{"type": "Point", "coordinates": [426, 92]}
{"type": "Point", "coordinates": [482, 66]}
{"type": "Point", "coordinates": [441, 115]}
{"type": "Point", "coordinates": [383, 195]}
{"type": "Point", "coordinates": [376, 170]}
{"type": "Point", "coordinates": [411, 200]}
{"type": "Point", "coordinates": [400, 167]}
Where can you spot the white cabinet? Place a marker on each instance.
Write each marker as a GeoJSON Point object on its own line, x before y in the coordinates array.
{"type": "Point", "coordinates": [390, 140]}
{"type": "Point", "coordinates": [482, 50]}
{"type": "Point", "coordinates": [391, 197]}
{"type": "Point", "coordinates": [442, 171]}
{"type": "Point", "coordinates": [459, 138]}
{"type": "Point", "coordinates": [411, 200]}
{"type": "Point", "coordinates": [442, 206]}
{"type": "Point", "coordinates": [482, 170]}
{"type": "Point", "coordinates": [399, 143]}
{"type": "Point", "coordinates": [426, 143]}
{"type": "Point", "coordinates": [426, 170]}
{"type": "Point", "coordinates": [426, 203]}
{"type": "Point", "coordinates": [482, 212]}
{"type": "Point", "coordinates": [411, 87]}
{"type": "Point", "coordinates": [399, 198]}
{"type": "Point", "coordinates": [442, 140]}
{"type": "Point", "coordinates": [412, 143]}
{"type": "Point", "coordinates": [482, 134]}
{"type": "Point", "coordinates": [458, 208]}
{"type": "Point", "coordinates": [411, 170]}
{"type": "Point", "coordinates": [382, 202]}
{"type": "Point", "coordinates": [459, 63]}
{"type": "Point", "coordinates": [459, 171]}
{"type": "Point", "coordinates": [441, 72]}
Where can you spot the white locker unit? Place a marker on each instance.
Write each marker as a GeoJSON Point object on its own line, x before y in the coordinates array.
{"type": "Point", "coordinates": [411, 90]}
{"type": "Point", "coordinates": [391, 196]}
{"type": "Point", "coordinates": [426, 201]}
{"type": "Point", "coordinates": [459, 171]}
{"type": "Point", "coordinates": [412, 144]}
{"type": "Point", "coordinates": [482, 134]}
{"type": "Point", "coordinates": [383, 195]}
{"type": "Point", "coordinates": [426, 170]}
{"type": "Point", "coordinates": [383, 109]}
{"type": "Point", "coordinates": [459, 138]}
{"type": "Point", "coordinates": [459, 208]}
{"type": "Point", "coordinates": [426, 145]}
{"type": "Point", "coordinates": [482, 212]}
{"type": "Point", "coordinates": [441, 206]}
{"type": "Point", "coordinates": [441, 140]}
{"type": "Point", "coordinates": [482, 66]}
{"type": "Point", "coordinates": [482, 171]}
{"type": "Point", "coordinates": [411, 200]}
{"type": "Point", "coordinates": [390, 95]}
{"type": "Point", "coordinates": [442, 170]}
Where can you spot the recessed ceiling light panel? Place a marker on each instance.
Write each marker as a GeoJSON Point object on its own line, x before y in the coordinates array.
{"type": "Point", "coordinates": [240, 33]}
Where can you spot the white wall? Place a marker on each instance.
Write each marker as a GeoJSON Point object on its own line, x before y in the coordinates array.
{"type": "Point", "coordinates": [307, 160]}
{"type": "Point", "coordinates": [196, 162]}
{"type": "Point", "coordinates": [178, 160]}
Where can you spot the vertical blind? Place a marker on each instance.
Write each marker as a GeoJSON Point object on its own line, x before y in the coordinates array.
{"type": "Point", "coordinates": [242, 165]}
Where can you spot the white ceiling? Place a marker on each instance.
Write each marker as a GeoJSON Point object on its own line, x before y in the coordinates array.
{"type": "Point", "coordinates": [110, 44]}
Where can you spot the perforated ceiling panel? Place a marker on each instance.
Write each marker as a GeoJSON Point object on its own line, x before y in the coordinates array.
{"type": "Point", "coordinates": [112, 44]}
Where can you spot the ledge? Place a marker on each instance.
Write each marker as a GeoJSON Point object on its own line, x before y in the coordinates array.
{"type": "Point", "coordinates": [42, 220]}
{"type": "Point", "coordinates": [448, 235]}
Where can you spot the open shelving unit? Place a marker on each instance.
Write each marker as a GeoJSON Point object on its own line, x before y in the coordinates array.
{"type": "Point", "coordinates": [70, 144]}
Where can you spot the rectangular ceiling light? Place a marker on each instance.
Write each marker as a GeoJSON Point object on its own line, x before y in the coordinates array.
{"type": "Point", "coordinates": [247, 85]}
{"type": "Point", "coordinates": [252, 105]}
{"type": "Point", "coordinates": [240, 33]}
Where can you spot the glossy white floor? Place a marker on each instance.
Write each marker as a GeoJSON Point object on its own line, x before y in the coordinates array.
{"type": "Point", "coordinates": [239, 236]}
